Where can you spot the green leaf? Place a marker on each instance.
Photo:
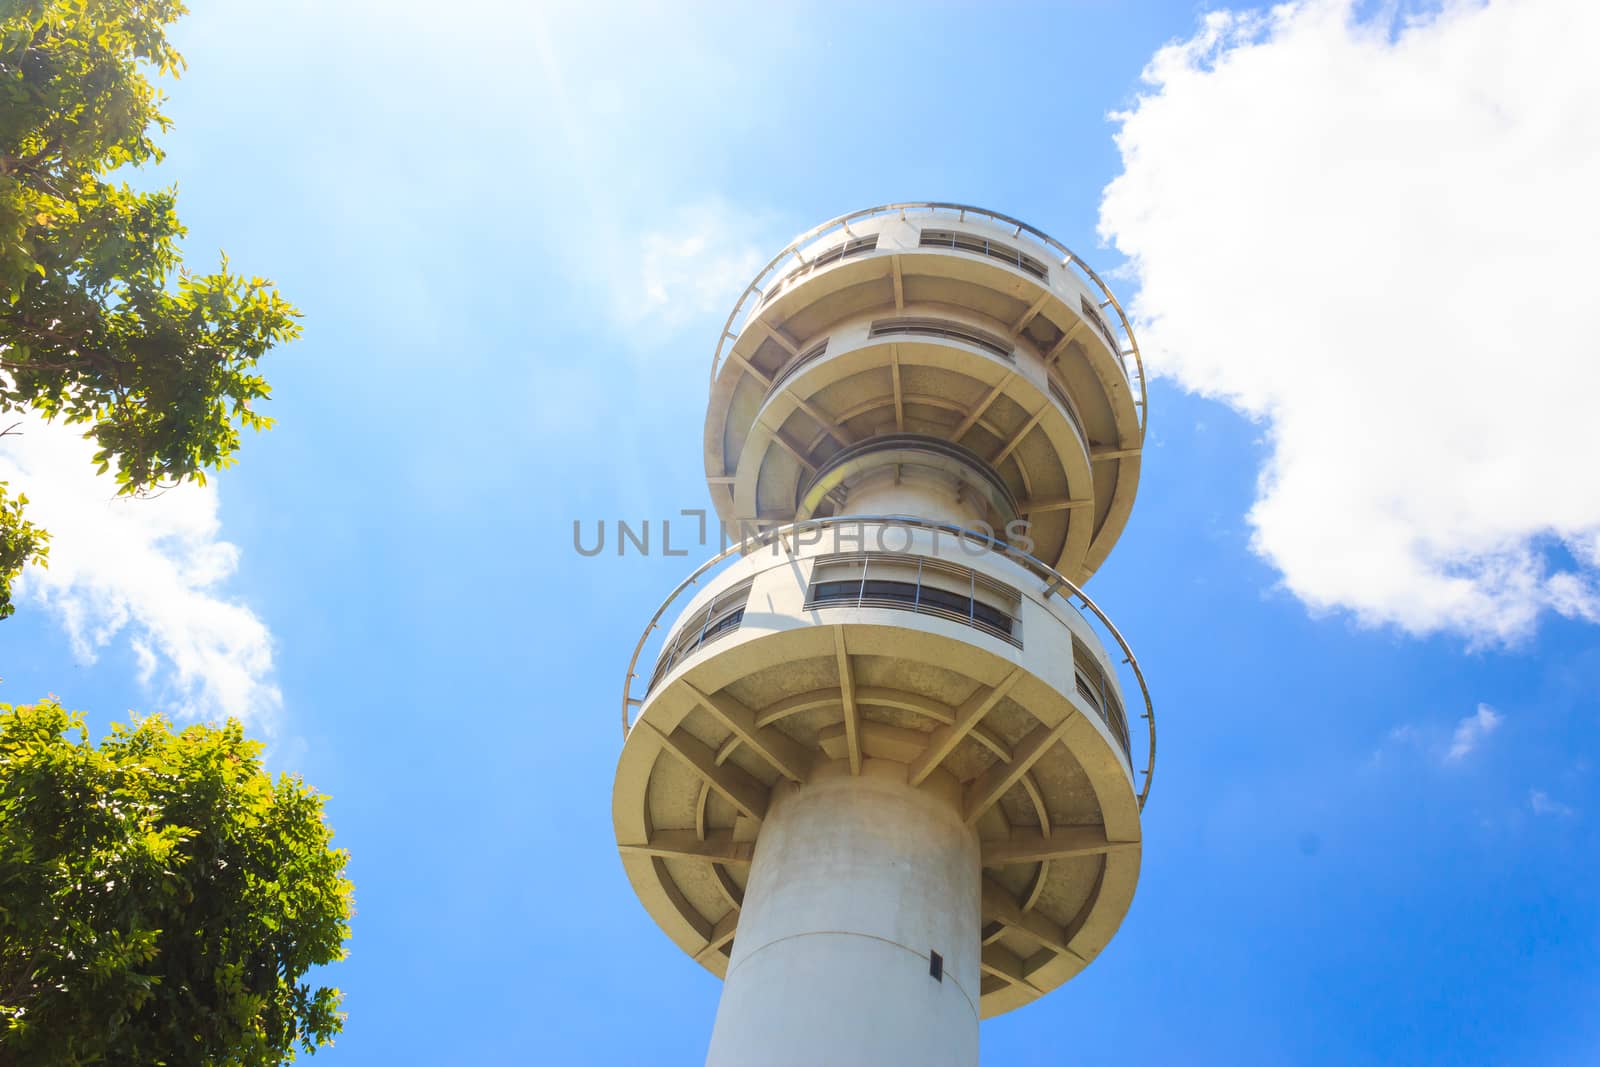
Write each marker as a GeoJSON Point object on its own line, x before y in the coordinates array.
{"type": "Point", "coordinates": [165, 899]}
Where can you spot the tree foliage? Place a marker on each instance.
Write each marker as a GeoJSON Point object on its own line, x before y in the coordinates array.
{"type": "Point", "coordinates": [100, 323]}
{"type": "Point", "coordinates": [161, 898]}
{"type": "Point", "coordinates": [21, 542]}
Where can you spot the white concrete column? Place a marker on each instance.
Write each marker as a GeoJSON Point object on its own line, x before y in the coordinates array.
{"type": "Point", "coordinates": [855, 881]}
{"type": "Point", "coordinates": [913, 491]}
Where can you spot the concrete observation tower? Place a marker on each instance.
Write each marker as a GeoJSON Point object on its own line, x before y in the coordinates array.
{"type": "Point", "coordinates": [878, 771]}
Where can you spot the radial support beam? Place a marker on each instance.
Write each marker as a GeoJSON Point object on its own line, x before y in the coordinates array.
{"type": "Point", "coordinates": [1066, 339]}
{"type": "Point", "coordinates": [781, 753]}
{"type": "Point", "coordinates": [829, 428]}
{"type": "Point", "coordinates": [1020, 436]}
{"type": "Point", "coordinates": [899, 284]}
{"type": "Point", "coordinates": [847, 695]}
{"type": "Point", "coordinates": [734, 785]}
{"type": "Point", "coordinates": [1098, 454]}
{"type": "Point", "coordinates": [945, 738]}
{"type": "Point", "coordinates": [991, 741]}
{"type": "Point", "coordinates": [1030, 846]}
{"type": "Point", "coordinates": [783, 340]}
{"type": "Point", "coordinates": [983, 405]}
{"type": "Point", "coordinates": [1059, 503]}
{"type": "Point", "coordinates": [894, 373]}
{"type": "Point", "coordinates": [750, 369]}
{"type": "Point", "coordinates": [1000, 906]}
{"type": "Point", "coordinates": [793, 450]}
{"type": "Point", "coordinates": [1007, 966]}
{"type": "Point", "coordinates": [991, 785]}
{"type": "Point", "coordinates": [721, 934]}
{"type": "Point", "coordinates": [717, 847]}
{"type": "Point", "coordinates": [1029, 315]}
{"type": "Point", "coordinates": [895, 698]}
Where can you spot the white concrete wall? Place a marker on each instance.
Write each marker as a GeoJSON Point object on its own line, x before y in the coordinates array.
{"type": "Point", "coordinates": [855, 881]}
{"type": "Point", "coordinates": [920, 493]}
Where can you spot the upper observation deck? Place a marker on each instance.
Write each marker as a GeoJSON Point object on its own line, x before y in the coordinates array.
{"type": "Point", "coordinates": [932, 341]}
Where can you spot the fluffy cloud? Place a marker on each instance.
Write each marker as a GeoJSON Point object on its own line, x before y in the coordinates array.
{"type": "Point", "coordinates": [1542, 804]}
{"type": "Point", "coordinates": [148, 570]}
{"type": "Point", "coordinates": [1377, 239]}
{"type": "Point", "coordinates": [1437, 744]}
{"type": "Point", "coordinates": [1470, 732]}
{"type": "Point", "coordinates": [692, 268]}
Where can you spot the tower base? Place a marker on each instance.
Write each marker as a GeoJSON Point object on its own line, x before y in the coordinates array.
{"type": "Point", "coordinates": [857, 881]}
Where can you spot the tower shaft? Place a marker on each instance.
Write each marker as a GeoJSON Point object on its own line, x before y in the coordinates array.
{"type": "Point", "coordinates": [860, 889]}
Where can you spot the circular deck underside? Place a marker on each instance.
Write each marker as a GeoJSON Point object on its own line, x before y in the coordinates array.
{"type": "Point", "coordinates": [1049, 797]}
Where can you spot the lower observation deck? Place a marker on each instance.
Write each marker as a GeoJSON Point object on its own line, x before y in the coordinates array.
{"type": "Point", "coordinates": [910, 650]}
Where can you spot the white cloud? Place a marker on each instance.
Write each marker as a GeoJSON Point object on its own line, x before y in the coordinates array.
{"type": "Point", "coordinates": [693, 268]}
{"type": "Point", "coordinates": [1436, 744]}
{"type": "Point", "coordinates": [1541, 804]}
{"type": "Point", "coordinates": [1471, 731]}
{"type": "Point", "coordinates": [149, 570]}
{"type": "Point", "coordinates": [1378, 240]}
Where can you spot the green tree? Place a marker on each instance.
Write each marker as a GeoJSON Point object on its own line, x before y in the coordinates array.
{"type": "Point", "coordinates": [21, 542]}
{"type": "Point", "coordinates": [161, 897]}
{"type": "Point", "coordinates": [100, 323]}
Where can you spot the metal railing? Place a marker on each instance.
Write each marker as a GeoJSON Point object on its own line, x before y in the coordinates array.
{"type": "Point", "coordinates": [760, 285]}
{"type": "Point", "coordinates": [692, 637]}
{"type": "Point", "coordinates": [856, 246]}
{"type": "Point", "coordinates": [1093, 687]}
{"type": "Point", "coordinates": [1054, 582]}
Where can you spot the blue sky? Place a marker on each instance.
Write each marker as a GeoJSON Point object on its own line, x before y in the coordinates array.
{"type": "Point", "coordinates": [515, 233]}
